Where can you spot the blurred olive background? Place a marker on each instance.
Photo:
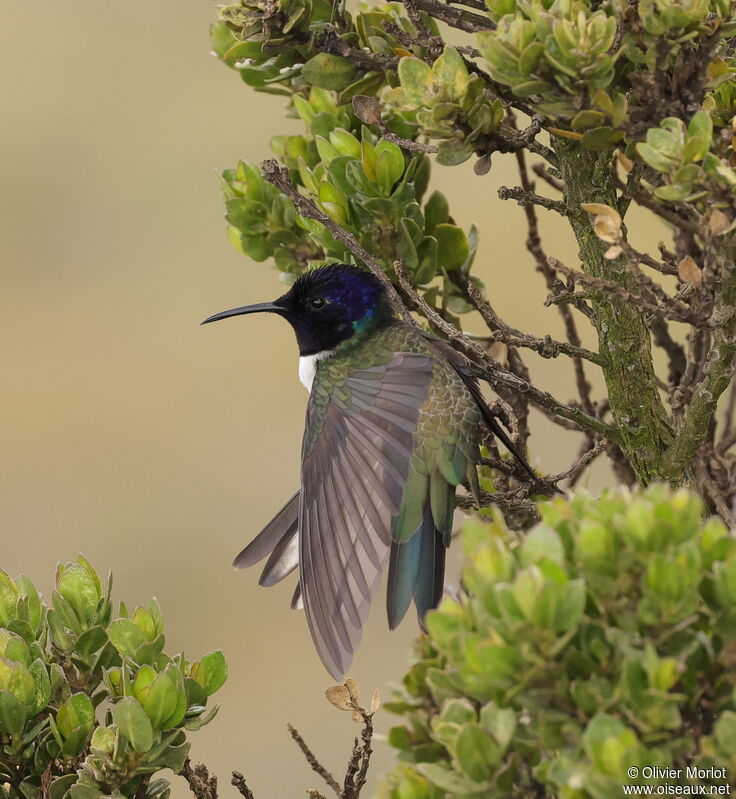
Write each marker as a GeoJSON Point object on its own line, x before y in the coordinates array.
{"type": "Point", "coordinates": [156, 447]}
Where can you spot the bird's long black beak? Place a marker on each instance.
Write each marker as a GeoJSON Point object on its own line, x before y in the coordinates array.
{"type": "Point", "coordinates": [259, 307]}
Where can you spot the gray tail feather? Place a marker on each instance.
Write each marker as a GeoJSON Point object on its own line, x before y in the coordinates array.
{"type": "Point", "coordinates": [416, 571]}
{"type": "Point", "coordinates": [431, 577]}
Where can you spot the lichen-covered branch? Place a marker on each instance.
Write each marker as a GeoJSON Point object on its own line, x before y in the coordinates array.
{"type": "Point", "coordinates": [718, 373]}
{"type": "Point", "coordinates": [636, 406]}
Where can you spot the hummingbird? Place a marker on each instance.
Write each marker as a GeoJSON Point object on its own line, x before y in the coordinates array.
{"type": "Point", "coordinates": [393, 426]}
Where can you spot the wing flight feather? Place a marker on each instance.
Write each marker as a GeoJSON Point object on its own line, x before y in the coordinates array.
{"type": "Point", "coordinates": [353, 476]}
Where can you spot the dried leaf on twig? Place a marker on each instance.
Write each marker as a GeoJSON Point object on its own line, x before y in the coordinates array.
{"type": "Point", "coordinates": [690, 272]}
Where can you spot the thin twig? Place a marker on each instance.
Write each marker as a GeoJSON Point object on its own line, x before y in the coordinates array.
{"type": "Point", "coordinates": [726, 442]}
{"type": "Point", "coordinates": [712, 491]}
{"type": "Point", "coordinates": [368, 110]}
{"type": "Point", "coordinates": [458, 18]}
{"type": "Point", "coordinates": [494, 373]}
{"type": "Point", "coordinates": [542, 171]}
{"type": "Point", "coordinates": [525, 197]}
{"type": "Point", "coordinates": [686, 220]}
{"type": "Point", "coordinates": [506, 500]}
{"type": "Point", "coordinates": [238, 781]}
{"type": "Point", "coordinates": [477, 4]}
{"type": "Point", "coordinates": [675, 352]}
{"type": "Point", "coordinates": [201, 784]}
{"type": "Point", "coordinates": [357, 770]}
{"type": "Point", "coordinates": [728, 418]}
{"type": "Point", "coordinates": [406, 144]}
{"type": "Point", "coordinates": [580, 464]}
{"type": "Point", "coordinates": [534, 246]}
{"type": "Point", "coordinates": [671, 309]}
{"type": "Point", "coordinates": [634, 258]}
{"type": "Point", "coordinates": [313, 762]}
{"type": "Point", "coordinates": [647, 260]}
{"type": "Point", "coordinates": [547, 347]}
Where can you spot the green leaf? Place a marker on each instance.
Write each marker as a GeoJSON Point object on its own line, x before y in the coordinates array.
{"type": "Point", "coordinates": [199, 720]}
{"type": "Point", "coordinates": [450, 71]}
{"type": "Point", "coordinates": [454, 152]}
{"type": "Point", "coordinates": [427, 261]}
{"type": "Point", "coordinates": [133, 723]}
{"type": "Point", "coordinates": [157, 694]}
{"type": "Point", "coordinates": [656, 159]}
{"type": "Point", "coordinates": [42, 694]}
{"type": "Point", "coordinates": [84, 791]}
{"type": "Point", "coordinates": [210, 672]}
{"type": "Point", "coordinates": [601, 138]}
{"type": "Point", "coordinates": [665, 142]}
{"type": "Point", "coordinates": [400, 738]}
{"type": "Point", "coordinates": [696, 148]}
{"type": "Point", "coordinates": [126, 636]}
{"type": "Point", "coordinates": [61, 785]}
{"type": "Point", "coordinates": [13, 647]}
{"type": "Point", "coordinates": [477, 753]}
{"type": "Point", "coordinates": [405, 248]}
{"type": "Point", "coordinates": [221, 37]}
{"type": "Point", "coordinates": [389, 166]}
{"type": "Point", "coordinates": [436, 212]}
{"type": "Point", "coordinates": [500, 722]}
{"type": "Point", "coordinates": [530, 57]}
{"type": "Point", "coordinates": [15, 677]}
{"type": "Point", "coordinates": [674, 192]}
{"type": "Point", "coordinates": [328, 71]}
{"type": "Point", "coordinates": [542, 541]}
{"type": "Point", "coordinates": [103, 740]}
{"type": "Point", "coordinates": [606, 740]}
{"type": "Point", "coordinates": [345, 143]}
{"type": "Point", "coordinates": [90, 641]}
{"type": "Point", "coordinates": [416, 79]}
{"type": "Point", "coordinates": [180, 708]}
{"type": "Point", "coordinates": [144, 621]}
{"type": "Point", "coordinates": [587, 119]}
{"type": "Point", "coordinates": [75, 742]}
{"type": "Point", "coordinates": [82, 560]}
{"type": "Point", "coordinates": [195, 693]}
{"type": "Point", "coordinates": [66, 613]}
{"type": "Point", "coordinates": [12, 714]}
{"type": "Point", "coordinates": [27, 588]}
{"type": "Point", "coordinates": [570, 609]}
{"type": "Point", "coordinates": [458, 711]}
{"type": "Point", "coordinates": [76, 712]}
{"type": "Point", "coordinates": [326, 151]}
{"type": "Point", "coordinates": [369, 84]}
{"type": "Point", "coordinates": [450, 781]}
{"type": "Point", "coordinates": [80, 590]}
{"type": "Point", "coordinates": [452, 246]}
{"type": "Point", "coordinates": [529, 87]}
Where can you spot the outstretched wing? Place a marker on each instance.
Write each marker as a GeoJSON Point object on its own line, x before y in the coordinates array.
{"type": "Point", "coordinates": [355, 461]}
{"type": "Point", "coordinates": [278, 541]}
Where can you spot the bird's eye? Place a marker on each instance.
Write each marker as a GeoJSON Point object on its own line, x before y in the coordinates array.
{"type": "Point", "coordinates": [317, 303]}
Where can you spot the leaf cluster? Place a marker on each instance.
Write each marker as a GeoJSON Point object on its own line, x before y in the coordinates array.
{"type": "Point", "coordinates": [599, 642]}
{"type": "Point", "coordinates": [91, 705]}
{"type": "Point", "coordinates": [447, 103]}
{"type": "Point", "coordinates": [363, 182]}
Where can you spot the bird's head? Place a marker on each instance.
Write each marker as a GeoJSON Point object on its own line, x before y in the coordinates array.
{"type": "Point", "coordinates": [327, 306]}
